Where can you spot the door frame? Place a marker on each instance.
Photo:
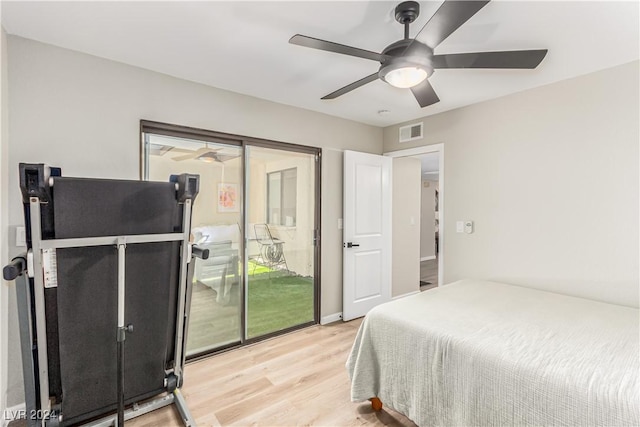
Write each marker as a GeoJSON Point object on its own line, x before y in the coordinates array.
{"type": "Point", "coordinates": [434, 148]}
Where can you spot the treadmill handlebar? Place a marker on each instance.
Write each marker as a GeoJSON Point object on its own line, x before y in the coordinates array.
{"type": "Point", "coordinates": [199, 252]}
{"type": "Point", "coordinates": [15, 268]}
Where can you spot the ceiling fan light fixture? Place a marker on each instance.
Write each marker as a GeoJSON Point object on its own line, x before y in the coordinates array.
{"type": "Point", "coordinates": [208, 157]}
{"type": "Point", "coordinates": [405, 72]}
{"type": "Point", "coordinates": [405, 77]}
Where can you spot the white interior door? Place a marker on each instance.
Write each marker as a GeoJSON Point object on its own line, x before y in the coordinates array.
{"type": "Point", "coordinates": [367, 233]}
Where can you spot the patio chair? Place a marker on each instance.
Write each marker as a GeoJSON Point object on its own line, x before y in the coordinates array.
{"type": "Point", "coordinates": [271, 249]}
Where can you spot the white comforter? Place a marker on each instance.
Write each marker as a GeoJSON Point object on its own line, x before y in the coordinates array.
{"type": "Point", "coordinates": [481, 353]}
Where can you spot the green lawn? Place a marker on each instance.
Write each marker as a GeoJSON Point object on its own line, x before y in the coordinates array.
{"type": "Point", "coordinates": [278, 302]}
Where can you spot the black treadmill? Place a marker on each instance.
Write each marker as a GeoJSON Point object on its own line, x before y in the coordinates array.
{"type": "Point", "coordinates": [103, 296]}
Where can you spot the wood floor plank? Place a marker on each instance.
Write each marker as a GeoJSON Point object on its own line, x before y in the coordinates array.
{"type": "Point", "coordinates": [231, 397]}
{"type": "Point", "coordinates": [325, 362]}
{"type": "Point", "coordinates": [429, 272]}
{"type": "Point", "coordinates": [280, 413]}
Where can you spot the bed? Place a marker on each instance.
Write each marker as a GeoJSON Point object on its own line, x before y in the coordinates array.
{"type": "Point", "coordinates": [486, 353]}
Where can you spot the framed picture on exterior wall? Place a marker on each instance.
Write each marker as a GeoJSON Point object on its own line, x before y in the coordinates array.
{"type": "Point", "coordinates": [228, 198]}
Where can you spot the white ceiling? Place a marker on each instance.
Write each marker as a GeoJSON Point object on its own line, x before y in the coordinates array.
{"type": "Point", "coordinates": [243, 46]}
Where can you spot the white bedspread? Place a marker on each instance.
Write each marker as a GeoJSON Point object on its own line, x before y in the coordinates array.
{"type": "Point", "coordinates": [481, 353]}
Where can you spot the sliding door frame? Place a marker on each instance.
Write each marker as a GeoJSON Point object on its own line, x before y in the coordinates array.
{"type": "Point", "coordinates": [179, 131]}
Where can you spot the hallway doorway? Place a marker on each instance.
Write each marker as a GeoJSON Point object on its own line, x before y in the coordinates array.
{"type": "Point", "coordinates": [429, 218]}
{"type": "Point", "coordinates": [431, 196]}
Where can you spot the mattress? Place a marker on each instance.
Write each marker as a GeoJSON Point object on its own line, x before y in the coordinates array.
{"type": "Point", "coordinates": [485, 353]}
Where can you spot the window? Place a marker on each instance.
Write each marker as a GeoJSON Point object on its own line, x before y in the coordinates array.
{"type": "Point", "coordinates": [281, 197]}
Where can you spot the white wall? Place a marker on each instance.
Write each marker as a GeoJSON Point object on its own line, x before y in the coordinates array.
{"type": "Point", "coordinates": [428, 219]}
{"type": "Point", "coordinates": [406, 226]}
{"type": "Point", "coordinates": [550, 177]}
{"type": "Point", "coordinates": [83, 113]}
{"type": "Point", "coordinates": [4, 258]}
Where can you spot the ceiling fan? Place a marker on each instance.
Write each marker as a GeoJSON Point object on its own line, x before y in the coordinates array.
{"type": "Point", "coordinates": [408, 63]}
{"type": "Point", "coordinates": [207, 155]}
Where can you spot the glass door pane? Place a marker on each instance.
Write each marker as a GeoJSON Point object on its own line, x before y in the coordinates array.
{"type": "Point", "coordinates": [215, 317]}
{"type": "Point", "coordinates": [280, 239]}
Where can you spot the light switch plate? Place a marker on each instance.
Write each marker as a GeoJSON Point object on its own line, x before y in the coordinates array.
{"type": "Point", "coordinates": [459, 226]}
{"type": "Point", "coordinates": [21, 237]}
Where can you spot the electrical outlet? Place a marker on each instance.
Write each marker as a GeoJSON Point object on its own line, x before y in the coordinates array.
{"type": "Point", "coordinates": [468, 227]}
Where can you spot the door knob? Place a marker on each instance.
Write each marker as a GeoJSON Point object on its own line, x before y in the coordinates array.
{"type": "Point", "coordinates": [351, 245]}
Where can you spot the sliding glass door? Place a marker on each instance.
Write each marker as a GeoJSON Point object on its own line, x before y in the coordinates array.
{"type": "Point", "coordinates": [261, 276]}
{"type": "Point", "coordinates": [281, 244]}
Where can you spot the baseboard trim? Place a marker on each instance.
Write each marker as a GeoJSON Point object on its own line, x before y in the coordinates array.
{"type": "Point", "coordinates": [331, 318]}
{"type": "Point", "coordinates": [13, 413]}
{"type": "Point", "coordinates": [405, 295]}
{"type": "Point", "coordinates": [428, 258]}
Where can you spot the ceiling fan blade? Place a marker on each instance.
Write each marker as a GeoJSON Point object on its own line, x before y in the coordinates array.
{"type": "Point", "coordinates": [180, 150]}
{"type": "Point", "coordinates": [352, 86]}
{"type": "Point", "coordinates": [185, 157]}
{"type": "Point", "coordinates": [306, 41]}
{"type": "Point", "coordinates": [424, 93]}
{"type": "Point", "coordinates": [194, 154]}
{"type": "Point", "coordinates": [225, 157]}
{"type": "Point", "coordinates": [524, 59]}
{"type": "Point", "coordinates": [203, 150]}
{"type": "Point", "coordinates": [448, 18]}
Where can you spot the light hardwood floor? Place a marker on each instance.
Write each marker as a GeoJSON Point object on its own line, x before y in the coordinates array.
{"type": "Point", "coordinates": [298, 379]}
{"type": "Point", "coordinates": [212, 324]}
{"type": "Point", "coordinates": [429, 274]}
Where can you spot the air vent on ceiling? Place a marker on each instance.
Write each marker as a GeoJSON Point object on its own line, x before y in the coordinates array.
{"type": "Point", "coordinates": [411, 132]}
